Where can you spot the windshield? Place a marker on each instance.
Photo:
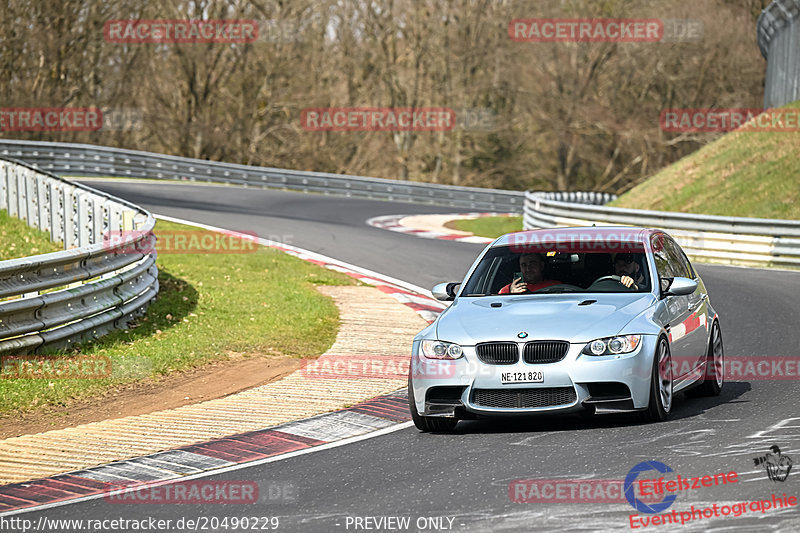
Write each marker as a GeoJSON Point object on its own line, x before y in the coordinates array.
{"type": "Point", "coordinates": [504, 270]}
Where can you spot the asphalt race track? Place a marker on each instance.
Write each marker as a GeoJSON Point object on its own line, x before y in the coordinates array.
{"type": "Point", "coordinates": [464, 478]}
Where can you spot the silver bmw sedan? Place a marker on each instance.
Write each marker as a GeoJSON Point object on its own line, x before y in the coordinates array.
{"type": "Point", "coordinates": [573, 320]}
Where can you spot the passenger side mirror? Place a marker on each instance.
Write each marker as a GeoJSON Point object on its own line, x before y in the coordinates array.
{"type": "Point", "coordinates": [445, 292]}
{"type": "Point", "coordinates": [681, 287]}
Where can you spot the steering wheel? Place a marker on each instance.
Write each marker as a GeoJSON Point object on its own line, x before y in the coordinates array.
{"type": "Point", "coordinates": [618, 279]}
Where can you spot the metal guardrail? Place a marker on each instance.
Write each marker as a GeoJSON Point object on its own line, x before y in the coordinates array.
{"type": "Point", "coordinates": [67, 159]}
{"type": "Point", "coordinates": [715, 239]}
{"type": "Point", "coordinates": [123, 284]}
{"type": "Point", "coordinates": [96, 284]}
{"type": "Point", "coordinates": [778, 33]}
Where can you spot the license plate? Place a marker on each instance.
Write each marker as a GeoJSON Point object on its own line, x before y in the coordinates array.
{"type": "Point", "coordinates": [531, 376]}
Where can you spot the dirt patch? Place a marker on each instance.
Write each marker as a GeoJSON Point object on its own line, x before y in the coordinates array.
{"type": "Point", "coordinates": [214, 380]}
{"type": "Point", "coordinates": [451, 225]}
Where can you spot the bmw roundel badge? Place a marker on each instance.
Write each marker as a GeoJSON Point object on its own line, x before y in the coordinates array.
{"type": "Point", "coordinates": [522, 334]}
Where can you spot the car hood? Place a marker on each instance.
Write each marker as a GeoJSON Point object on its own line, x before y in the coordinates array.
{"type": "Point", "coordinates": [555, 317]}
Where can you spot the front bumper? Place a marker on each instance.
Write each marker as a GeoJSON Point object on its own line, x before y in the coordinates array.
{"type": "Point", "coordinates": [568, 385]}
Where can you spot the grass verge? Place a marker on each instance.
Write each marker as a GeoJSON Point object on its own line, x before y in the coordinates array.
{"type": "Point", "coordinates": [490, 227]}
{"type": "Point", "coordinates": [749, 174]}
{"type": "Point", "coordinates": [21, 240]}
{"type": "Point", "coordinates": [210, 307]}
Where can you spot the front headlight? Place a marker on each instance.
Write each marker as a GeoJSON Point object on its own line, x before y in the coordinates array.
{"type": "Point", "coordinates": [613, 345]}
{"type": "Point", "coordinates": [441, 350]}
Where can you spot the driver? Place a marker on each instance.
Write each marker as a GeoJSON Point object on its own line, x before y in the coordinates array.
{"type": "Point", "coordinates": [626, 266]}
{"type": "Point", "coordinates": [532, 267]}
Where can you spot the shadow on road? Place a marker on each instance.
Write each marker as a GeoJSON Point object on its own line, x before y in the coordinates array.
{"type": "Point", "coordinates": [684, 408]}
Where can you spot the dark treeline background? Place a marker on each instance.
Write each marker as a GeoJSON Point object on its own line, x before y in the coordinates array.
{"type": "Point", "coordinates": [567, 116]}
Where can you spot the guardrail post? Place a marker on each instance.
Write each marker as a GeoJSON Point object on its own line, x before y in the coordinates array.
{"type": "Point", "coordinates": [98, 220]}
{"type": "Point", "coordinates": [139, 221]}
{"type": "Point", "coordinates": [83, 218]}
{"type": "Point", "coordinates": [4, 169]}
{"type": "Point", "coordinates": [22, 204]}
{"type": "Point", "coordinates": [42, 218]}
{"type": "Point", "coordinates": [68, 197]}
{"type": "Point", "coordinates": [13, 202]}
{"type": "Point", "coordinates": [56, 213]}
{"type": "Point", "coordinates": [114, 218]}
{"type": "Point", "coordinates": [30, 200]}
{"type": "Point", "coordinates": [127, 220]}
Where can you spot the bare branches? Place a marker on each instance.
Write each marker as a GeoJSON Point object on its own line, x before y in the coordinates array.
{"type": "Point", "coordinates": [557, 115]}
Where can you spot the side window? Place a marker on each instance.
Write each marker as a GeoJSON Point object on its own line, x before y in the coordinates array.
{"type": "Point", "coordinates": [678, 259]}
{"type": "Point", "coordinates": [692, 273]}
{"type": "Point", "coordinates": [664, 265]}
{"type": "Point", "coordinates": [663, 262]}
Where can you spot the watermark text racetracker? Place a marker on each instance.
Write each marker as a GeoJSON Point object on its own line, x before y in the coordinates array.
{"type": "Point", "coordinates": [50, 119]}
{"type": "Point", "coordinates": [707, 120]}
{"type": "Point", "coordinates": [333, 366]}
{"type": "Point", "coordinates": [180, 31]}
{"type": "Point", "coordinates": [70, 119]}
{"type": "Point", "coordinates": [185, 242]}
{"type": "Point", "coordinates": [44, 367]}
{"type": "Point", "coordinates": [570, 491]}
{"type": "Point", "coordinates": [746, 368]}
{"type": "Point", "coordinates": [373, 367]}
{"type": "Point", "coordinates": [609, 30]}
{"type": "Point", "coordinates": [194, 492]}
{"type": "Point", "coordinates": [203, 492]}
{"type": "Point", "coordinates": [57, 367]}
{"type": "Point", "coordinates": [596, 241]}
{"type": "Point", "coordinates": [378, 119]}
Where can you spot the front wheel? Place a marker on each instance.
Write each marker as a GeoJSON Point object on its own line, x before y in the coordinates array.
{"type": "Point", "coordinates": [660, 384]}
{"type": "Point", "coordinates": [715, 365]}
{"type": "Point", "coordinates": [428, 423]}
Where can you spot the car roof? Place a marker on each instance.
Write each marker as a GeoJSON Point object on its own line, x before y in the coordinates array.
{"type": "Point", "coordinates": [576, 235]}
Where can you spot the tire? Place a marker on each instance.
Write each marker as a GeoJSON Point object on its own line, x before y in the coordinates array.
{"type": "Point", "coordinates": [714, 374]}
{"type": "Point", "coordinates": [661, 396]}
{"type": "Point", "coordinates": [428, 423]}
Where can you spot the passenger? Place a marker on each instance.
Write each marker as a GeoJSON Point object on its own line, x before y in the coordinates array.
{"type": "Point", "coordinates": [627, 267]}
{"type": "Point", "coordinates": [532, 267]}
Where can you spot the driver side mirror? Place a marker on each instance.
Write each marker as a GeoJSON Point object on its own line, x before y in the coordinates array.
{"type": "Point", "coordinates": [680, 287]}
{"type": "Point", "coordinates": [445, 292]}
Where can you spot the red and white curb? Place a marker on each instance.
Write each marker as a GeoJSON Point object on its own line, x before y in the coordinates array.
{"type": "Point", "coordinates": [392, 223]}
{"type": "Point", "coordinates": [367, 419]}
{"type": "Point", "coordinates": [381, 414]}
